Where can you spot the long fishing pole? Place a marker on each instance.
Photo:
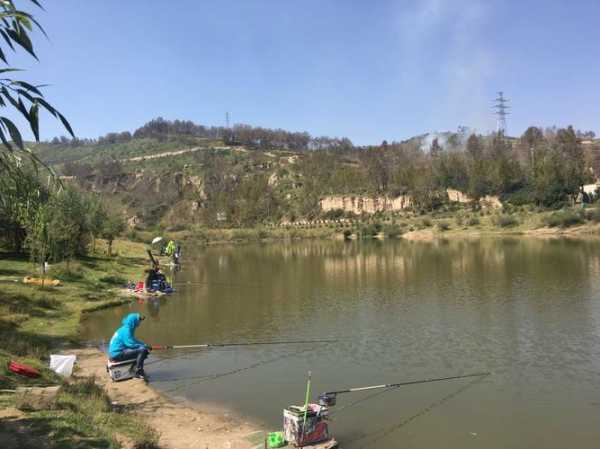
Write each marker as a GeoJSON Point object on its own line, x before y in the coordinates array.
{"type": "Point", "coordinates": [223, 284]}
{"type": "Point", "coordinates": [252, 343]}
{"type": "Point", "coordinates": [401, 384]}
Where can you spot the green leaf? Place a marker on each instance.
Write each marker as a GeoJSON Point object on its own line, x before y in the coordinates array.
{"type": "Point", "coordinates": [17, 104]}
{"type": "Point", "coordinates": [28, 86]}
{"type": "Point", "coordinates": [47, 106]}
{"type": "Point", "coordinates": [26, 22]}
{"type": "Point", "coordinates": [21, 38]}
{"type": "Point", "coordinates": [34, 120]}
{"type": "Point", "coordinates": [7, 39]}
{"type": "Point", "coordinates": [66, 124]}
{"type": "Point", "coordinates": [5, 142]}
{"type": "Point", "coordinates": [38, 4]}
{"type": "Point", "coordinates": [14, 132]}
{"type": "Point", "coordinates": [26, 94]}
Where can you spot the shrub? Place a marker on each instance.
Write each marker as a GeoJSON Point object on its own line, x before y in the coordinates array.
{"type": "Point", "coordinates": [369, 231]}
{"type": "Point", "coordinates": [134, 236]}
{"type": "Point", "coordinates": [392, 231]}
{"type": "Point", "coordinates": [505, 221]}
{"type": "Point", "coordinates": [593, 215]}
{"type": "Point", "coordinates": [176, 228]}
{"type": "Point", "coordinates": [113, 280]}
{"type": "Point", "coordinates": [473, 221]}
{"type": "Point", "coordinates": [75, 395]}
{"type": "Point", "coordinates": [334, 214]}
{"type": "Point", "coordinates": [69, 272]}
{"type": "Point", "coordinates": [347, 234]}
{"type": "Point", "coordinates": [443, 226]}
{"type": "Point", "coordinates": [564, 219]}
{"type": "Point", "coordinates": [147, 442]}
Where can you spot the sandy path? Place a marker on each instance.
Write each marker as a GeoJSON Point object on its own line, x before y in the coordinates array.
{"type": "Point", "coordinates": [165, 154]}
{"type": "Point", "coordinates": [179, 426]}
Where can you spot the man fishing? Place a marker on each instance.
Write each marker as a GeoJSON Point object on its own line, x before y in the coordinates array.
{"type": "Point", "coordinates": [124, 345]}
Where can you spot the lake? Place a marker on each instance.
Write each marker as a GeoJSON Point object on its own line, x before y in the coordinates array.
{"type": "Point", "coordinates": [527, 310]}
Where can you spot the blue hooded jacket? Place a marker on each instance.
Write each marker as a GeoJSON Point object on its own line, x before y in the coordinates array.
{"type": "Point", "coordinates": [124, 337]}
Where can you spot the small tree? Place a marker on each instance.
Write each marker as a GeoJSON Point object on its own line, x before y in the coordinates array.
{"type": "Point", "coordinates": [38, 238]}
{"type": "Point", "coordinates": [68, 230]}
{"type": "Point", "coordinates": [97, 217]}
{"type": "Point", "coordinates": [113, 226]}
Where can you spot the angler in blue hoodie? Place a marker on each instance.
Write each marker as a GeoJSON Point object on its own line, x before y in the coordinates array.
{"type": "Point", "coordinates": [124, 345]}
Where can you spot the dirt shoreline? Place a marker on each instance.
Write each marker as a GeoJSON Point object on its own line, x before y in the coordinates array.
{"type": "Point", "coordinates": [180, 426]}
{"type": "Point", "coordinates": [584, 232]}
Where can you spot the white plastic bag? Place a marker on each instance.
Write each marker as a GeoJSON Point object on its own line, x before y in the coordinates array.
{"type": "Point", "coordinates": [62, 364]}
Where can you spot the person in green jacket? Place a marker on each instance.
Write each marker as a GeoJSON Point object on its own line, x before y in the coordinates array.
{"type": "Point", "coordinates": [170, 249]}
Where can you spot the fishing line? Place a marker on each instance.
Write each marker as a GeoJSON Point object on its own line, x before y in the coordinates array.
{"type": "Point", "coordinates": [166, 358]}
{"type": "Point", "coordinates": [200, 379]}
{"type": "Point", "coordinates": [245, 343]}
{"type": "Point", "coordinates": [387, 431]}
{"type": "Point", "coordinates": [225, 346]}
{"type": "Point", "coordinates": [222, 284]}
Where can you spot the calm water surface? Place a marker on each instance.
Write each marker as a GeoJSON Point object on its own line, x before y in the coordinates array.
{"type": "Point", "coordinates": [527, 310]}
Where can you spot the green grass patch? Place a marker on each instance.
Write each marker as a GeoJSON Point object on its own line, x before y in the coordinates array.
{"type": "Point", "coordinates": [35, 320]}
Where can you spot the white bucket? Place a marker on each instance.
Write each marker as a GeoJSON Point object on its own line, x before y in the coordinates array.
{"type": "Point", "coordinates": [62, 364]}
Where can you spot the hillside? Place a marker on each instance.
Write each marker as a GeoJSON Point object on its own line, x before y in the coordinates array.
{"type": "Point", "coordinates": [169, 181]}
{"type": "Point", "coordinates": [178, 174]}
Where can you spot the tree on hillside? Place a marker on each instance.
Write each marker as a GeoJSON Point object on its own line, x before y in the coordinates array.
{"type": "Point", "coordinates": [112, 226]}
{"type": "Point", "coordinates": [478, 182]}
{"type": "Point", "coordinates": [504, 170]}
{"type": "Point", "coordinates": [531, 141]}
{"type": "Point", "coordinates": [570, 150]}
{"type": "Point", "coordinates": [377, 168]}
{"type": "Point", "coordinates": [435, 149]}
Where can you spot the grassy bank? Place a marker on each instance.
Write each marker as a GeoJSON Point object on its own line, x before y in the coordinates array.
{"type": "Point", "coordinates": [36, 320]}
{"type": "Point", "coordinates": [460, 223]}
{"type": "Point", "coordinates": [199, 235]}
{"type": "Point", "coordinates": [455, 221]}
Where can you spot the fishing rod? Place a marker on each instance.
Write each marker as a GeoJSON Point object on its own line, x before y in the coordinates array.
{"type": "Point", "coordinates": [224, 284]}
{"type": "Point", "coordinates": [329, 398]}
{"type": "Point", "coordinates": [254, 343]}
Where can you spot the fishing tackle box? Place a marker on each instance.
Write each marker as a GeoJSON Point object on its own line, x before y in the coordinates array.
{"type": "Point", "coordinates": [316, 430]}
{"type": "Point", "coordinates": [122, 370]}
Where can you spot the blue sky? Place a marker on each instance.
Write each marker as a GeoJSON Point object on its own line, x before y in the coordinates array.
{"type": "Point", "coordinates": [369, 70]}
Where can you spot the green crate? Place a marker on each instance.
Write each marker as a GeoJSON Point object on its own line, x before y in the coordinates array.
{"type": "Point", "coordinates": [275, 440]}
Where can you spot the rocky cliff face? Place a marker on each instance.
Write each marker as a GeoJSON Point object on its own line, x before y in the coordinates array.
{"type": "Point", "coordinates": [364, 204]}
{"type": "Point", "coordinates": [361, 204]}
{"type": "Point", "coordinates": [149, 197]}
